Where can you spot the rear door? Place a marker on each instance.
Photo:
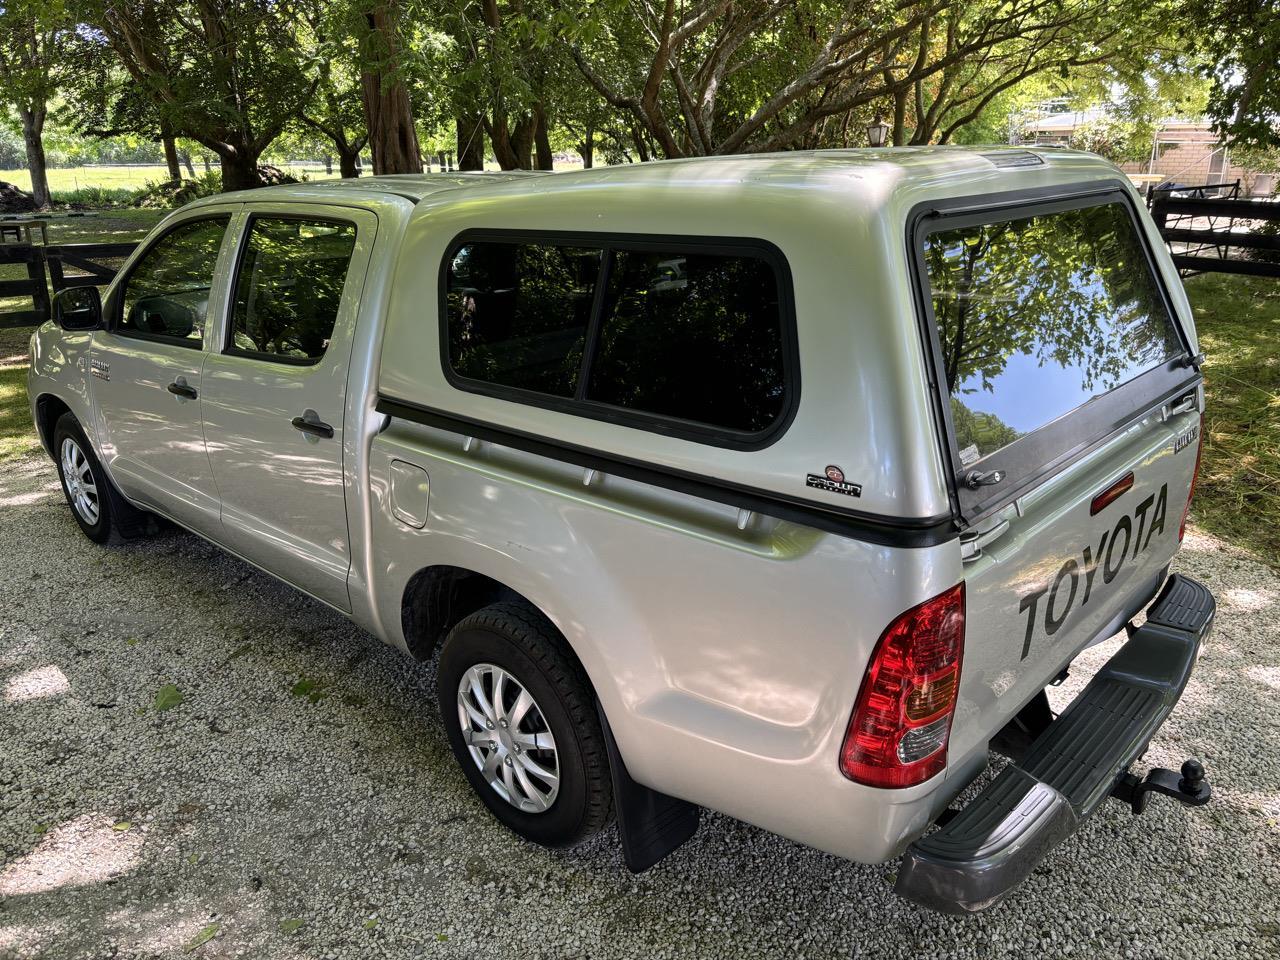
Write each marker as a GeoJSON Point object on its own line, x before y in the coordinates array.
{"type": "Point", "coordinates": [1071, 414]}
{"type": "Point", "coordinates": [274, 391]}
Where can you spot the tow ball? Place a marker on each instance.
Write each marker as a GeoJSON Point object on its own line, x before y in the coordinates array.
{"type": "Point", "coordinates": [1190, 787]}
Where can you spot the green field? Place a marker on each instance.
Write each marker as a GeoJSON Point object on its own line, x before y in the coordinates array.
{"type": "Point", "coordinates": [127, 178]}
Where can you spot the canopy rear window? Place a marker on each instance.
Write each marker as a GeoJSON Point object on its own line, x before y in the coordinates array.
{"type": "Point", "coordinates": [1040, 312]}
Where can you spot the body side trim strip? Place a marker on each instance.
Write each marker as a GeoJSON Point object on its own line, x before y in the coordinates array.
{"type": "Point", "coordinates": [888, 531]}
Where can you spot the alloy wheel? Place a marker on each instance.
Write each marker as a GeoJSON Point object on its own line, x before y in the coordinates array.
{"type": "Point", "coordinates": [78, 478]}
{"type": "Point", "coordinates": [508, 738]}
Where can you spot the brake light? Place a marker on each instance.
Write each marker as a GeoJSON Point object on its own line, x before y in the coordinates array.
{"type": "Point", "coordinates": [898, 733]}
{"type": "Point", "coordinates": [1182, 528]}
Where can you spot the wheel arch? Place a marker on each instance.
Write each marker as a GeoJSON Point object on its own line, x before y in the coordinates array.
{"type": "Point", "coordinates": [438, 597]}
{"type": "Point", "coordinates": [49, 408]}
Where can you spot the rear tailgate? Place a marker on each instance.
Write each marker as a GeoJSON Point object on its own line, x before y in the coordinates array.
{"type": "Point", "coordinates": [1071, 416]}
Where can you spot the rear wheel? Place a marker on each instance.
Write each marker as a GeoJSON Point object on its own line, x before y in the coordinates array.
{"type": "Point", "coordinates": [522, 722]}
{"type": "Point", "coordinates": [102, 513]}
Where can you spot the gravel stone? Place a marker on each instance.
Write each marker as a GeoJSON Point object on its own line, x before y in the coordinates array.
{"type": "Point", "coordinates": [305, 777]}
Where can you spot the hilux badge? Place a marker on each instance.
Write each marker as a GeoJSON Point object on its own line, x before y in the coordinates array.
{"type": "Point", "coordinates": [832, 480]}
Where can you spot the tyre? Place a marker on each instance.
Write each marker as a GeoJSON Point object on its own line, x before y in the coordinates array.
{"type": "Point", "coordinates": [522, 721]}
{"type": "Point", "coordinates": [100, 510]}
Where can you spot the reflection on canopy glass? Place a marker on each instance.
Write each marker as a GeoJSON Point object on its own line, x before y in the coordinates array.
{"type": "Point", "coordinates": [694, 336]}
{"type": "Point", "coordinates": [518, 313]}
{"type": "Point", "coordinates": [1039, 315]}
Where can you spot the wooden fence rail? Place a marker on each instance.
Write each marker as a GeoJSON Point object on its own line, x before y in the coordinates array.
{"type": "Point", "coordinates": [1215, 234]}
{"type": "Point", "coordinates": [60, 266]}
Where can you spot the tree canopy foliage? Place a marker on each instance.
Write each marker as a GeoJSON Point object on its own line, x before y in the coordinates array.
{"type": "Point", "coordinates": [518, 80]}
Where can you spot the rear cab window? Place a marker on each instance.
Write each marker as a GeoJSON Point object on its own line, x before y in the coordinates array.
{"type": "Point", "coordinates": [681, 338]}
{"type": "Point", "coordinates": [1050, 330]}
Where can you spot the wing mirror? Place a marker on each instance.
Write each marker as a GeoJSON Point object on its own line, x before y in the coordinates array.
{"type": "Point", "coordinates": [78, 308]}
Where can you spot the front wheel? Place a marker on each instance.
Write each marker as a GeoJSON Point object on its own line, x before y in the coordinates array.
{"type": "Point", "coordinates": [522, 723]}
{"type": "Point", "coordinates": [102, 513]}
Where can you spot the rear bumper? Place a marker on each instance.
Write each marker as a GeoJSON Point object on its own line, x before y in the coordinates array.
{"type": "Point", "coordinates": [999, 837]}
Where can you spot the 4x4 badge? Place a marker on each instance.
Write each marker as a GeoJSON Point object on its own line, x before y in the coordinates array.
{"type": "Point", "coordinates": [1186, 439]}
{"type": "Point", "coordinates": [832, 480]}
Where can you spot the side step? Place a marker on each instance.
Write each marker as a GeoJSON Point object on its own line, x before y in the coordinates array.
{"type": "Point", "coordinates": [991, 845]}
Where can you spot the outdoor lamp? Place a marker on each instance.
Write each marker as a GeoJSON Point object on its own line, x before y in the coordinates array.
{"type": "Point", "coordinates": [877, 132]}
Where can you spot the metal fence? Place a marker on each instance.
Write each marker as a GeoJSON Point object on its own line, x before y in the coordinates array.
{"type": "Point", "coordinates": [55, 266]}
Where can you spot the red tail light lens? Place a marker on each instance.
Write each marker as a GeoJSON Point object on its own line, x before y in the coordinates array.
{"type": "Point", "coordinates": [1182, 528]}
{"type": "Point", "coordinates": [898, 733]}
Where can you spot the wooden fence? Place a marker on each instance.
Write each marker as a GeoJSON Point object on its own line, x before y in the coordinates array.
{"type": "Point", "coordinates": [60, 266]}
{"type": "Point", "coordinates": [1220, 235]}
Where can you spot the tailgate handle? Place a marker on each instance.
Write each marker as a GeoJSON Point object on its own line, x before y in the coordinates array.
{"type": "Point", "coordinates": [1183, 406]}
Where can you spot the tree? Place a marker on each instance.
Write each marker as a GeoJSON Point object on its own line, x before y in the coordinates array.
{"type": "Point", "coordinates": [224, 73]}
{"type": "Point", "coordinates": [33, 35]}
{"type": "Point", "coordinates": [727, 76]}
{"type": "Point", "coordinates": [393, 136]}
{"type": "Point", "coordinates": [499, 72]}
{"type": "Point", "coordinates": [1240, 41]}
{"type": "Point", "coordinates": [336, 110]}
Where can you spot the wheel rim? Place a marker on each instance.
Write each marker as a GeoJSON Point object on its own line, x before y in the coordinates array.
{"type": "Point", "coordinates": [508, 738]}
{"type": "Point", "coordinates": [77, 477]}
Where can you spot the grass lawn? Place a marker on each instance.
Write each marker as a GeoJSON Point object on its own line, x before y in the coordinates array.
{"type": "Point", "coordinates": [121, 177]}
{"type": "Point", "coordinates": [1238, 498]}
{"type": "Point", "coordinates": [17, 435]}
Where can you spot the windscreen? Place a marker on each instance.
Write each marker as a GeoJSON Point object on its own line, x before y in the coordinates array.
{"type": "Point", "coordinates": [1039, 314]}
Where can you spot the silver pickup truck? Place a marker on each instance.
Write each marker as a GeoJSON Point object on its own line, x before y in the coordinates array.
{"type": "Point", "coordinates": [779, 485]}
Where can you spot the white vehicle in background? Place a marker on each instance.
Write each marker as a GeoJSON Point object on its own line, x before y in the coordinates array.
{"type": "Point", "coordinates": [780, 485]}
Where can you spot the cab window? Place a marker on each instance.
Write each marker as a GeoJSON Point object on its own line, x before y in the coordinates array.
{"type": "Point", "coordinates": [166, 295]}
{"type": "Point", "coordinates": [289, 287]}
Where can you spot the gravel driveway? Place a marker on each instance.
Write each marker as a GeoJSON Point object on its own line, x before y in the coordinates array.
{"type": "Point", "coordinates": [195, 758]}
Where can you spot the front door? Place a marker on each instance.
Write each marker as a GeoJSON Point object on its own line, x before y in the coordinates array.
{"type": "Point", "coordinates": [274, 391]}
{"type": "Point", "coordinates": [146, 366]}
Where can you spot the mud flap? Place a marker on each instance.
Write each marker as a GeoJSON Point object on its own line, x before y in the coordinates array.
{"type": "Point", "coordinates": [651, 824]}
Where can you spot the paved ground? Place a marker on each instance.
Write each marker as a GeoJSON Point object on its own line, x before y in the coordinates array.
{"type": "Point", "coordinates": [301, 801]}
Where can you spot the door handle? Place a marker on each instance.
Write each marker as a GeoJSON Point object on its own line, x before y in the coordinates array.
{"type": "Point", "coordinates": [179, 389]}
{"type": "Point", "coordinates": [314, 427]}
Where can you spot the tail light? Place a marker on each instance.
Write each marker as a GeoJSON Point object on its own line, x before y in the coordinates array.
{"type": "Point", "coordinates": [1182, 528]}
{"type": "Point", "coordinates": [898, 733]}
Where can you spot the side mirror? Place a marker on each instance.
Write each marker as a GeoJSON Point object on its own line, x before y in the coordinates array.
{"type": "Point", "coordinates": [78, 308]}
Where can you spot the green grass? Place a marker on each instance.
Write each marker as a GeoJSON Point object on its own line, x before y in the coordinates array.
{"type": "Point", "coordinates": [66, 179]}
{"type": "Point", "coordinates": [1238, 497]}
{"type": "Point", "coordinates": [17, 435]}
{"type": "Point", "coordinates": [75, 178]}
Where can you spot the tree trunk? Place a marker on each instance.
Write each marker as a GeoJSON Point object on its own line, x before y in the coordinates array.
{"type": "Point", "coordinates": [347, 163]}
{"type": "Point", "coordinates": [328, 165]}
{"type": "Point", "coordinates": [587, 148]}
{"type": "Point", "coordinates": [239, 170]}
{"type": "Point", "coordinates": [33, 138]}
{"type": "Point", "coordinates": [171, 158]}
{"type": "Point", "coordinates": [185, 157]}
{"type": "Point", "coordinates": [470, 143]}
{"type": "Point", "coordinates": [387, 110]}
{"type": "Point", "coordinates": [541, 141]}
